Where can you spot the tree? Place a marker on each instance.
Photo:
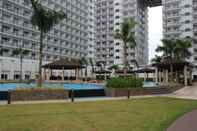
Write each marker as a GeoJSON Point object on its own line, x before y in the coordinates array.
{"type": "Point", "coordinates": [157, 59]}
{"type": "Point", "coordinates": [44, 19]}
{"type": "Point", "coordinates": [182, 49]}
{"type": "Point", "coordinates": [92, 65]}
{"type": "Point", "coordinates": [84, 63]}
{"type": "Point", "coordinates": [127, 35]}
{"type": "Point", "coordinates": [168, 48]}
{"type": "Point", "coordinates": [174, 50]}
{"type": "Point", "coordinates": [114, 67]}
{"type": "Point", "coordinates": [21, 52]}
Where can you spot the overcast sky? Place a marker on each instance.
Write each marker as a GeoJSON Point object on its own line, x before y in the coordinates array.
{"type": "Point", "coordinates": [155, 29]}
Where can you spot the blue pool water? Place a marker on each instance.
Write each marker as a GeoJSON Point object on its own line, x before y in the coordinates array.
{"type": "Point", "coordinates": [68, 86]}
{"type": "Point", "coordinates": [148, 84]}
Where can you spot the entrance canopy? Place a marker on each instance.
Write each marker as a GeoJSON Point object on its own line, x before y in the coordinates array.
{"type": "Point", "coordinates": [66, 64]}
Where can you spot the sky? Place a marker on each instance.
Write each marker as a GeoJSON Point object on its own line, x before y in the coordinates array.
{"type": "Point", "coordinates": [155, 29]}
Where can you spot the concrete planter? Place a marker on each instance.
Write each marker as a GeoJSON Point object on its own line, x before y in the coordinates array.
{"type": "Point", "coordinates": [37, 94]}
{"type": "Point", "coordinates": [118, 92]}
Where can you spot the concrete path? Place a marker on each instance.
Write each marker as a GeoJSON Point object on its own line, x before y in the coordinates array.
{"type": "Point", "coordinates": [189, 92]}
{"type": "Point", "coordinates": [188, 122]}
{"type": "Point", "coordinates": [89, 99]}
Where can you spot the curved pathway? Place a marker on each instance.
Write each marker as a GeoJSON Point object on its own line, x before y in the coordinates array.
{"type": "Point", "coordinates": [188, 122]}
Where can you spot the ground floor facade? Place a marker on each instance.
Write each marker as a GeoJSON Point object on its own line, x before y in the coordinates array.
{"type": "Point", "coordinates": [10, 69]}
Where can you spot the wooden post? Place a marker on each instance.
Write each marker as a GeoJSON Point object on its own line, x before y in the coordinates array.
{"type": "Point", "coordinates": [185, 76]}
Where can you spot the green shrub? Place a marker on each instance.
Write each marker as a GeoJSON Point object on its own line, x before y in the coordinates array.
{"type": "Point", "coordinates": [121, 82]}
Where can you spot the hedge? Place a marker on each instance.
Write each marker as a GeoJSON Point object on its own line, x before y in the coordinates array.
{"type": "Point", "coordinates": [124, 82]}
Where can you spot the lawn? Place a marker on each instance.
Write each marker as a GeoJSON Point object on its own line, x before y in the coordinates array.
{"type": "Point", "coordinates": [149, 114]}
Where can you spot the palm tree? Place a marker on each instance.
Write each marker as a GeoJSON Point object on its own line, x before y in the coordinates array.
{"type": "Point", "coordinates": [127, 36]}
{"type": "Point", "coordinates": [168, 48]}
{"type": "Point", "coordinates": [157, 59]}
{"type": "Point", "coordinates": [92, 65]}
{"type": "Point", "coordinates": [114, 67]}
{"type": "Point", "coordinates": [175, 50]}
{"type": "Point", "coordinates": [21, 52]}
{"type": "Point", "coordinates": [44, 19]}
{"type": "Point", "coordinates": [182, 49]}
{"type": "Point", "coordinates": [84, 63]}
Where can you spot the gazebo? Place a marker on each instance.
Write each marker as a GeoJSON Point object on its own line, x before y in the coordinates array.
{"type": "Point", "coordinates": [103, 73]}
{"type": "Point", "coordinates": [144, 70]}
{"type": "Point", "coordinates": [175, 69]}
{"type": "Point", "coordinates": [121, 72]}
{"type": "Point", "coordinates": [63, 64]}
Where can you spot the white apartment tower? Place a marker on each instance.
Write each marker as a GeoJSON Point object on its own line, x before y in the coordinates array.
{"type": "Point", "coordinates": [109, 15]}
{"type": "Point", "coordinates": [180, 21]}
{"type": "Point", "coordinates": [72, 38]}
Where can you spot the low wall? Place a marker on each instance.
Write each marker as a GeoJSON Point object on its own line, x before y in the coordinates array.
{"type": "Point", "coordinates": [38, 94]}
{"type": "Point", "coordinates": [118, 92]}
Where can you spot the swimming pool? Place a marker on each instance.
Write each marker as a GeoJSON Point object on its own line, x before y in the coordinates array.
{"type": "Point", "coordinates": [68, 86]}
{"type": "Point", "coordinates": [148, 84]}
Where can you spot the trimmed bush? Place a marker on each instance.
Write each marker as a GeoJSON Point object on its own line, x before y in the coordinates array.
{"type": "Point", "coordinates": [124, 82]}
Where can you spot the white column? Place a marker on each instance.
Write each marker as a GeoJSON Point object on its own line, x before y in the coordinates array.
{"type": "Point", "coordinates": [185, 76]}
{"type": "Point", "coordinates": [156, 75]}
{"type": "Point", "coordinates": [63, 74]}
{"type": "Point", "coordinates": [160, 76]}
{"type": "Point", "coordinates": [167, 79]}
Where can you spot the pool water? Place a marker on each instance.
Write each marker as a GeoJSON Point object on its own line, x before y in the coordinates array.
{"type": "Point", "coordinates": [68, 86]}
{"type": "Point", "coordinates": [148, 84]}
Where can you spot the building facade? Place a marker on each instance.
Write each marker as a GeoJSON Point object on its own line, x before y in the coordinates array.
{"type": "Point", "coordinates": [109, 16]}
{"type": "Point", "coordinates": [73, 37]}
{"type": "Point", "coordinates": [180, 21]}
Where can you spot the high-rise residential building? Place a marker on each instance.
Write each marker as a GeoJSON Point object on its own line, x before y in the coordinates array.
{"type": "Point", "coordinates": [73, 37]}
{"type": "Point", "coordinates": [109, 15]}
{"type": "Point", "coordinates": [180, 21]}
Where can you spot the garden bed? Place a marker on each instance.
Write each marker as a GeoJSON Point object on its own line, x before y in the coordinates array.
{"type": "Point", "coordinates": [37, 94]}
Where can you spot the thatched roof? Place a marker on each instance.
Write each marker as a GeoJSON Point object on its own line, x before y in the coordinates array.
{"type": "Point", "coordinates": [67, 64]}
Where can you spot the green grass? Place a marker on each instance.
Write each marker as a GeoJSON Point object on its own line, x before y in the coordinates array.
{"type": "Point", "coordinates": [150, 114]}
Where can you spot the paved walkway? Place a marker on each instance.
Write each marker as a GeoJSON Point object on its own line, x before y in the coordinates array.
{"type": "Point", "coordinates": [78, 100]}
{"type": "Point", "coordinates": [188, 122]}
{"type": "Point", "coordinates": [189, 92]}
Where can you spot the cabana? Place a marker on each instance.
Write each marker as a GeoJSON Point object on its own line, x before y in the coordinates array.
{"type": "Point", "coordinates": [121, 72]}
{"type": "Point", "coordinates": [179, 69]}
{"type": "Point", "coordinates": [102, 74]}
{"type": "Point", "coordinates": [145, 71]}
{"type": "Point", "coordinates": [63, 64]}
